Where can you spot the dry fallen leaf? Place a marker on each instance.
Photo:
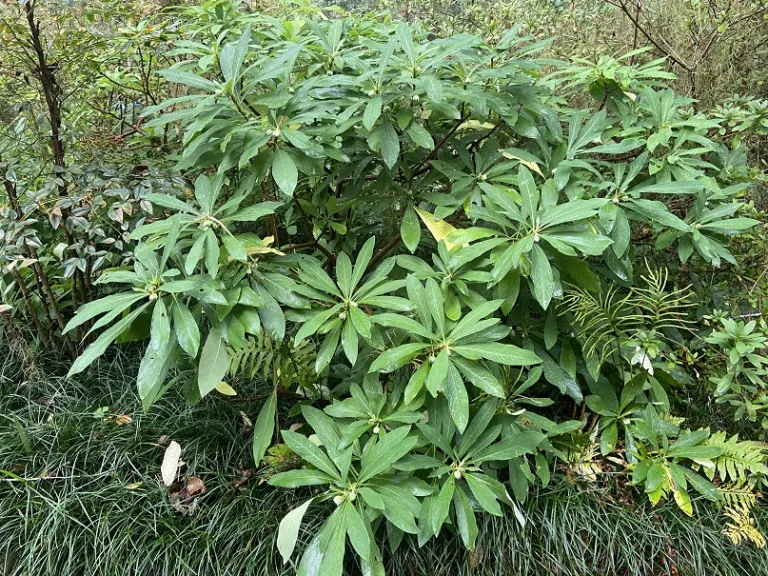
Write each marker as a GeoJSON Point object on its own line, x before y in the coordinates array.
{"type": "Point", "coordinates": [123, 419]}
{"type": "Point", "coordinates": [195, 486]}
{"type": "Point", "coordinates": [247, 424]}
{"type": "Point", "coordinates": [133, 485]}
{"type": "Point", "coordinates": [170, 463]}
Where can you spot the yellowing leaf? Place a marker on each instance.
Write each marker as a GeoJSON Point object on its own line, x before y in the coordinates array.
{"type": "Point", "coordinates": [438, 228]}
{"type": "Point", "coordinates": [684, 501]}
{"type": "Point", "coordinates": [527, 163]}
{"type": "Point", "coordinates": [226, 389]}
{"type": "Point", "coordinates": [477, 125]}
{"type": "Point", "coordinates": [133, 486]}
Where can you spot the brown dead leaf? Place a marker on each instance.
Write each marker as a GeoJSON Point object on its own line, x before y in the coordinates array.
{"type": "Point", "coordinates": [247, 424]}
{"type": "Point", "coordinates": [122, 419]}
{"type": "Point", "coordinates": [195, 486]}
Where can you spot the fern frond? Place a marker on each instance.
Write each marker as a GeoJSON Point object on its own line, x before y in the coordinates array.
{"type": "Point", "coordinates": [742, 526]}
{"type": "Point", "coordinates": [740, 458]}
{"type": "Point", "coordinates": [600, 320]}
{"type": "Point", "coordinates": [661, 308]}
{"type": "Point", "coordinates": [737, 495]}
{"type": "Point", "coordinates": [265, 358]}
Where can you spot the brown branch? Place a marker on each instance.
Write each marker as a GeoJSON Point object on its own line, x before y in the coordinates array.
{"type": "Point", "coordinates": [422, 166]}
{"type": "Point", "coordinates": [28, 300]}
{"type": "Point", "coordinates": [622, 5]}
{"type": "Point", "coordinates": [383, 252]}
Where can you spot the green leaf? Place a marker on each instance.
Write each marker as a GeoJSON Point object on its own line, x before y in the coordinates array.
{"type": "Point", "coordinates": [235, 248]}
{"type": "Point", "coordinates": [528, 190]}
{"type": "Point", "coordinates": [438, 372]}
{"type": "Point", "coordinates": [349, 341]}
{"type": "Point", "coordinates": [344, 274]}
{"type": "Point", "coordinates": [115, 302]}
{"type": "Point", "coordinates": [434, 299]}
{"type": "Point", "coordinates": [156, 355]}
{"type": "Point", "coordinates": [185, 327]}
{"type": "Point", "coordinates": [328, 349]}
{"type": "Point", "coordinates": [371, 498]}
{"type": "Point", "coordinates": [284, 171]}
{"type": "Point", "coordinates": [393, 446]}
{"type": "Point", "coordinates": [169, 202]}
{"type": "Point", "coordinates": [288, 531]}
{"type": "Point", "coordinates": [458, 400]}
{"type": "Point", "coordinates": [506, 354]}
{"type": "Point", "coordinates": [407, 325]}
{"type": "Point", "coordinates": [541, 276]}
{"type": "Point", "coordinates": [465, 519]}
{"type": "Point", "coordinates": [479, 484]}
{"type": "Point", "coordinates": [416, 383]}
{"type": "Point", "coordinates": [102, 342]}
{"type": "Point", "coordinates": [264, 428]}
{"type": "Point", "coordinates": [441, 505]}
{"type": "Point", "coordinates": [332, 563]}
{"type": "Point", "coordinates": [511, 447]}
{"type": "Point", "coordinates": [358, 531]}
{"type": "Point", "coordinates": [410, 229]}
{"type": "Point", "coordinates": [420, 136]}
{"type": "Point", "coordinates": [254, 212]}
{"type": "Point", "coordinates": [480, 377]}
{"type": "Point", "coordinates": [313, 275]}
{"type": "Point", "coordinates": [214, 363]}
{"type": "Point", "coordinates": [702, 485]}
{"type": "Point", "coordinates": [194, 255]}
{"type": "Point", "coordinates": [170, 241]}
{"type": "Point", "coordinates": [232, 56]}
{"type": "Point", "coordinates": [654, 478]}
{"type": "Point", "coordinates": [189, 79]}
{"type": "Point", "coordinates": [395, 358]}
{"type": "Point", "coordinates": [299, 478]}
{"type": "Point", "coordinates": [361, 264]}
{"type": "Point", "coordinates": [694, 452]}
{"type": "Point", "coordinates": [205, 193]}
{"type": "Point", "coordinates": [477, 427]}
{"type": "Point", "coordinates": [315, 323]}
{"type": "Point", "coordinates": [212, 253]}
{"type": "Point", "coordinates": [390, 144]}
{"type": "Point", "coordinates": [309, 452]}
{"type": "Point", "coordinates": [372, 112]}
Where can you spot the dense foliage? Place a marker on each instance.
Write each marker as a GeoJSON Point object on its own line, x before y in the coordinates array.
{"type": "Point", "coordinates": [451, 256]}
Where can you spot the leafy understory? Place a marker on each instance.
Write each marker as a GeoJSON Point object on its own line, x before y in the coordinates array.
{"type": "Point", "coordinates": [455, 279]}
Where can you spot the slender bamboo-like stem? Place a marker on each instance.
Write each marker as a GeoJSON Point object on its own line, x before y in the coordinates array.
{"type": "Point", "coordinates": [28, 301]}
